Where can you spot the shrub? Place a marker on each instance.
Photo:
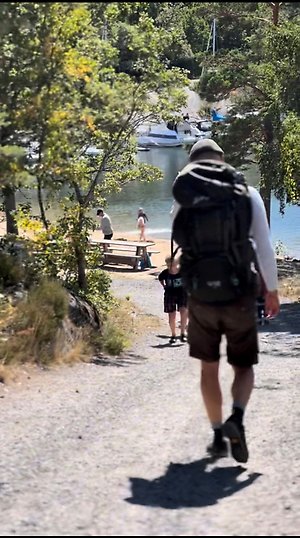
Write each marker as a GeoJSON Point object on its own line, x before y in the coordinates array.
{"type": "Point", "coordinates": [11, 270]}
{"type": "Point", "coordinates": [98, 290]}
{"type": "Point", "coordinates": [35, 325]}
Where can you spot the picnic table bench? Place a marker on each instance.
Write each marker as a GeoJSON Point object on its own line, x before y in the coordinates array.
{"type": "Point", "coordinates": [133, 253]}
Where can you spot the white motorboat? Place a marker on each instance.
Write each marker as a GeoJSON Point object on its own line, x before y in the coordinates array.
{"type": "Point", "coordinates": [184, 133]}
{"type": "Point", "coordinates": [159, 136]}
{"type": "Point", "coordinates": [142, 148]}
{"type": "Point", "coordinates": [205, 125]}
{"type": "Point", "coordinates": [189, 133]}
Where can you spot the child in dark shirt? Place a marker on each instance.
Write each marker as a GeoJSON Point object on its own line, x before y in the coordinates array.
{"type": "Point", "coordinates": [175, 298]}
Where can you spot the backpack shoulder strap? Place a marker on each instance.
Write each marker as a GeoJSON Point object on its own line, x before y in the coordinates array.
{"type": "Point", "coordinates": [173, 249]}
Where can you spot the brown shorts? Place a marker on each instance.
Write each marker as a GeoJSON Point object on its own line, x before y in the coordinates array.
{"type": "Point", "coordinates": [237, 321]}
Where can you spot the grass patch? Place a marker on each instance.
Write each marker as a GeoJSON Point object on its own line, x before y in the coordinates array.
{"type": "Point", "coordinates": [124, 324]}
{"type": "Point", "coordinates": [114, 339]}
{"type": "Point", "coordinates": [289, 287]}
{"type": "Point", "coordinates": [289, 279]}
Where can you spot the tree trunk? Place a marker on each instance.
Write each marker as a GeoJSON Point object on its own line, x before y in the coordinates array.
{"type": "Point", "coordinates": [266, 189]}
{"type": "Point", "coordinates": [265, 193]}
{"type": "Point", "coordinates": [41, 204]}
{"type": "Point", "coordinates": [275, 10]}
{"type": "Point", "coordinates": [81, 264]}
{"type": "Point", "coordinates": [9, 206]}
{"type": "Point", "coordinates": [80, 256]}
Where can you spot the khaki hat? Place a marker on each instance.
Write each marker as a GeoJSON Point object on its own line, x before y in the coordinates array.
{"type": "Point", "coordinates": [204, 146]}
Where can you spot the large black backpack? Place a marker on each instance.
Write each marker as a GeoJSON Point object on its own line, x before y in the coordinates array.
{"type": "Point", "coordinates": [212, 230]}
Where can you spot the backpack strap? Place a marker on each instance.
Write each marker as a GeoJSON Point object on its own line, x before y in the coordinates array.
{"type": "Point", "coordinates": [173, 252]}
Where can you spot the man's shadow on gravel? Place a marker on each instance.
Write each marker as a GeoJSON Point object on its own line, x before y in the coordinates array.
{"type": "Point", "coordinates": [189, 485]}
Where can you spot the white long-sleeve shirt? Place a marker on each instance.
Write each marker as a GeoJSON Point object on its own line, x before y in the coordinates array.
{"type": "Point", "coordinates": [260, 233]}
{"type": "Point", "coordinates": [105, 225]}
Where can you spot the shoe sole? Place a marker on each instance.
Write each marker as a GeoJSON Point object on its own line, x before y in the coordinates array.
{"type": "Point", "coordinates": [238, 447]}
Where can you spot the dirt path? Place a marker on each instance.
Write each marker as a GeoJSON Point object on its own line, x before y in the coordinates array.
{"type": "Point", "coordinates": [119, 449]}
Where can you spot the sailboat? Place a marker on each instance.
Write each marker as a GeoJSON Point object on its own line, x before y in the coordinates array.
{"type": "Point", "coordinates": [212, 37]}
{"type": "Point", "coordinates": [212, 42]}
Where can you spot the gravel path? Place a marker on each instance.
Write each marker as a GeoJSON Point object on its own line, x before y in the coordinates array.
{"type": "Point", "coordinates": [98, 450]}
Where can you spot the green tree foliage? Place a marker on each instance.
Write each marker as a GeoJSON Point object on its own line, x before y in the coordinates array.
{"type": "Point", "coordinates": [261, 77]}
{"type": "Point", "coordinates": [85, 76]}
{"type": "Point", "coordinates": [17, 44]}
{"type": "Point", "coordinates": [256, 66]}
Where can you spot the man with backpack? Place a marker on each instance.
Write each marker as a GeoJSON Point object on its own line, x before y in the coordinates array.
{"type": "Point", "coordinates": [221, 227]}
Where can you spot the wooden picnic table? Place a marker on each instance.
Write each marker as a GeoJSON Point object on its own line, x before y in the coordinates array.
{"type": "Point", "coordinates": [131, 253]}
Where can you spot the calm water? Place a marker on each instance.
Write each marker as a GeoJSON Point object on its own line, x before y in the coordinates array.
{"type": "Point", "coordinates": [156, 199]}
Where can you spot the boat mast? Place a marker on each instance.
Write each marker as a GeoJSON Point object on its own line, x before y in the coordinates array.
{"type": "Point", "coordinates": [213, 37]}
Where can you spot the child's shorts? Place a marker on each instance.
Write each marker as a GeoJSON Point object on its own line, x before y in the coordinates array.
{"type": "Point", "coordinates": [173, 302]}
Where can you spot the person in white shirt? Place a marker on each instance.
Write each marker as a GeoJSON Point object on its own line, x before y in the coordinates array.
{"type": "Point", "coordinates": [237, 320]}
{"type": "Point", "coordinates": [105, 224]}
